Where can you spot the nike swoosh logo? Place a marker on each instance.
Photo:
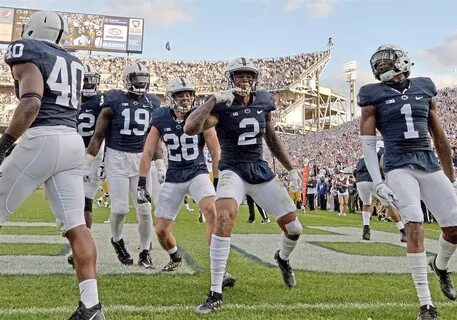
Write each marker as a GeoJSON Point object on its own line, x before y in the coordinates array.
{"type": "Point", "coordinates": [93, 317]}
{"type": "Point", "coordinates": [418, 98]}
{"type": "Point", "coordinates": [259, 111]}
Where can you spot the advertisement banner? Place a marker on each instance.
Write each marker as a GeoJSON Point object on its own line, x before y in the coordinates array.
{"type": "Point", "coordinates": [6, 23]}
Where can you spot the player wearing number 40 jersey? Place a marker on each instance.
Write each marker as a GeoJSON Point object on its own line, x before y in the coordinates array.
{"type": "Point", "coordinates": [404, 110]}
{"type": "Point", "coordinates": [48, 82]}
{"type": "Point", "coordinates": [186, 173]}
{"type": "Point", "coordinates": [242, 117]}
{"type": "Point", "coordinates": [124, 121]}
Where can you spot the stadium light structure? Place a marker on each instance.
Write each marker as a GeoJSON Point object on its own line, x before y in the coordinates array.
{"type": "Point", "coordinates": [350, 75]}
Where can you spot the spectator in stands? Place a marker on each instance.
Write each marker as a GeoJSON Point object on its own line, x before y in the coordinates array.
{"type": "Point", "coordinates": [322, 189]}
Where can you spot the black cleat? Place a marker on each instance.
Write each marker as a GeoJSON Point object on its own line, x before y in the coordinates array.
{"type": "Point", "coordinates": [445, 281]}
{"type": "Point", "coordinates": [83, 313]}
{"type": "Point", "coordinates": [212, 303]}
{"type": "Point", "coordinates": [228, 281]}
{"type": "Point", "coordinates": [286, 270]}
{"type": "Point", "coordinates": [122, 254]}
{"type": "Point", "coordinates": [366, 235]}
{"type": "Point", "coordinates": [173, 265]}
{"type": "Point", "coordinates": [145, 260]}
{"type": "Point", "coordinates": [427, 312]}
{"type": "Point", "coordinates": [403, 236]}
{"type": "Point", "coordinates": [71, 261]}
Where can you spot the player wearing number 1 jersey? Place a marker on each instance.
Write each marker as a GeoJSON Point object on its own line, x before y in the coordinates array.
{"type": "Point", "coordinates": [48, 82]}
{"type": "Point", "coordinates": [404, 110]}
{"type": "Point", "coordinates": [124, 120]}
{"type": "Point", "coordinates": [186, 173]}
{"type": "Point", "coordinates": [242, 117]}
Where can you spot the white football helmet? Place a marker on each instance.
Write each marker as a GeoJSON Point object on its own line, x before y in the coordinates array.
{"type": "Point", "coordinates": [180, 84]}
{"type": "Point", "coordinates": [242, 65]}
{"type": "Point", "coordinates": [47, 26]}
{"type": "Point", "coordinates": [136, 78]}
{"type": "Point", "coordinates": [91, 81]}
{"type": "Point", "coordinates": [389, 61]}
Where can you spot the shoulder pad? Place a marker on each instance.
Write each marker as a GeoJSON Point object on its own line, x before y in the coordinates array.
{"type": "Point", "coordinates": [153, 99]}
{"type": "Point", "coordinates": [267, 99]}
{"type": "Point", "coordinates": [426, 85]}
{"type": "Point", "coordinates": [22, 51]}
{"type": "Point", "coordinates": [368, 95]}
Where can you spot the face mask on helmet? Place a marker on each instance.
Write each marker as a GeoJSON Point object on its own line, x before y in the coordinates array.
{"type": "Point", "coordinates": [388, 62]}
{"type": "Point", "coordinates": [46, 26]}
{"type": "Point", "coordinates": [175, 93]}
{"type": "Point", "coordinates": [136, 78]}
{"type": "Point", "coordinates": [91, 81]}
{"type": "Point", "coordinates": [246, 76]}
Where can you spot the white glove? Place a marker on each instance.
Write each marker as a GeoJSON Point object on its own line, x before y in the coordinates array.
{"type": "Point", "coordinates": [101, 171]}
{"type": "Point", "coordinates": [87, 162]}
{"type": "Point", "coordinates": [295, 178]}
{"type": "Point", "coordinates": [385, 195]}
{"type": "Point", "coordinates": [161, 170]}
{"type": "Point", "coordinates": [225, 96]}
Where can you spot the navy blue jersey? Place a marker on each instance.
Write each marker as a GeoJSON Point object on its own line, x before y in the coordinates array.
{"type": "Point", "coordinates": [87, 117]}
{"type": "Point", "coordinates": [130, 121]}
{"type": "Point", "coordinates": [402, 119]}
{"type": "Point", "coordinates": [62, 76]}
{"type": "Point", "coordinates": [185, 152]}
{"type": "Point", "coordinates": [240, 131]}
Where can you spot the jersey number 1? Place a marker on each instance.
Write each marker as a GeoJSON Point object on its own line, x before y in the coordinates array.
{"type": "Point", "coordinates": [410, 133]}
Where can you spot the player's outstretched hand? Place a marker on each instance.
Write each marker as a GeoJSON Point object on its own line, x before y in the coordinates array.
{"type": "Point", "coordinates": [226, 96]}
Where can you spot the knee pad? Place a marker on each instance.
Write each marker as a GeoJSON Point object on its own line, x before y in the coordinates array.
{"type": "Point", "coordinates": [294, 228]}
{"type": "Point", "coordinates": [87, 205]}
{"type": "Point", "coordinates": [144, 209]}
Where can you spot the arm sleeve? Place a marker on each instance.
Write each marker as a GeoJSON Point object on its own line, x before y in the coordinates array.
{"type": "Point", "coordinates": [371, 158]}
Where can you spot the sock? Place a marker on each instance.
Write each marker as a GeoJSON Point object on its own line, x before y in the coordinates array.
{"type": "Point", "coordinates": [445, 251]}
{"type": "Point", "coordinates": [366, 218]}
{"type": "Point", "coordinates": [117, 225]}
{"type": "Point", "coordinates": [145, 230]}
{"type": "Point", "coordinates": [174, 254]}
{"type": "Point", "coordinates": [286, 247]}
{"type": "Point", "coordinates": [219, 252]}
{"type": "Point", "coordinates": [400, 225]}
{"type": "Point", "coordinates": [187, 206]}
{"type": "Point", "coordinates": [418, 266]}
{"type": "Point", "coordinates": [88, 292]}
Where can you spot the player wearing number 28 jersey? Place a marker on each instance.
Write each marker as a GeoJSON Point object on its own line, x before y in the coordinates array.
{"type": "Point", "coordinates": [404, 110]}
{"type": "Point", "coordinates": [124, 120]}
{"type": "Point", "coordinates": [48, 82]}
{"type": "Point", "coordinates": [186, 173]}
{"type": "Point", "coordinates": [242, 117]}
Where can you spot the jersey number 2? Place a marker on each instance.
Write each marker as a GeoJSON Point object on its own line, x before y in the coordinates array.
{"type": "Point", "coordinates": [249, 137]}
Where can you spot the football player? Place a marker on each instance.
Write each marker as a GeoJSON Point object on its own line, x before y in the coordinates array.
{"type": "Point", "coordinates": [187, 172]}
{"type": "Point", "coordinates": [242, 117]}
{"type": "Point", "coordinates": [404, 110]}
{"type": "Point", "coordinates": [366, 190]}
{"type": "Point", "coordinates": [48, 82]}
{"type": "Point", "coordinates": [124, 120]}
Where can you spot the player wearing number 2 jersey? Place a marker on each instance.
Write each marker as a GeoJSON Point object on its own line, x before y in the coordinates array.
{"type": "Point", "coordinates": [124, 120]}
{"type": "Point", "coordinates": [48, 82]}
{"type": "Point", "coordinates": [242, 116]}
{"type": "Point", "coordinates": [404, 110]}
{"type": "Point", "coordinates": [186, 173]}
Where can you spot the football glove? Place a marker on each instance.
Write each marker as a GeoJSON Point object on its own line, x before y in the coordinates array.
{"type": "Point", "coordinates": [142, 194]}
{"type": "Point", "coordinates": [161, 170]}
{"type": "Point", "coordinates": [101, 171]}
{"type": "Point", "coordinates": [87, 162]}
{"type": "Point", "coordinates": [225, 96]}
{"type": "Point", "coordinates": [385, 195]}
{"type": "Point", "coordinates": [295, 178]}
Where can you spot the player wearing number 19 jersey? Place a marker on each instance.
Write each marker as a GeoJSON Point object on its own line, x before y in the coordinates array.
{"type": "Point", "coordinates": [242, 116]}
{"type": "Point", "coordinates": [404, 110]}
{"type": "Point", "coordinates": [124, 120]}
{"type": "Point", "coordinates": [48, 82]}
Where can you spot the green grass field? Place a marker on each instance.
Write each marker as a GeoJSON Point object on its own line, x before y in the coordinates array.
{"type": "Point", "coordinates": [258, 294]}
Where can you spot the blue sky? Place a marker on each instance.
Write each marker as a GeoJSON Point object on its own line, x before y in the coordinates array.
{"type": "Point", "coordinates": [222, 29]}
